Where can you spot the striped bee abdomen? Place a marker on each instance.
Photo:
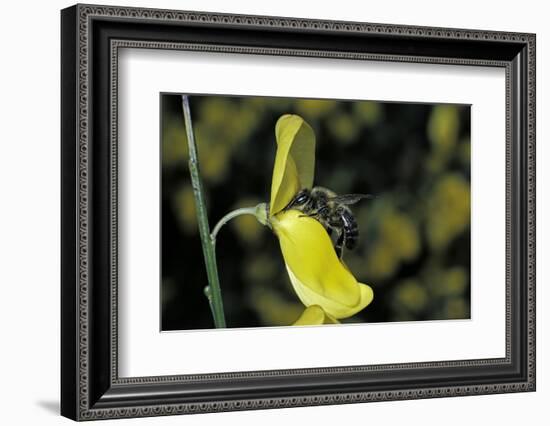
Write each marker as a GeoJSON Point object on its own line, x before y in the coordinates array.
{"type": "Point", "coordinates": [350, 229]}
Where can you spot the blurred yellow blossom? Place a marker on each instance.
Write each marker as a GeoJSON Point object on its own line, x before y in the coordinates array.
{"type": "Point", "coordinates": [401, 233]}
{"type": "Point", "coordinates": [456, 308]}
{"type": "Point", "coordinates": [448, 282]}
{"type": "Point", "coordinates": [369, 112]}
{"type": "Point", "coordinates": [343, 127]}
{"type": "Point", "coordinates": [184, 205]}
{"type": "Point", "coordinates": [272, 308]}
{"type": "Point", "coordinates": [261, 269]}
{"type": "Point", "coordinates": [448, 210]}
{"type": "Point", "coordinates": [443, 128]}
{"type": "Point", "coordinates": [381, 261]}
{"type": "Point", "coordinates": [411, 296]}
{"type": "Point", "coordinates": [174, 143]}
{"type": "Point", "coordinates": [315, 108]}
{"type": "Point", "coordinates": [246, 227]}
{"type": "Point", "coordinates": [398, 241]}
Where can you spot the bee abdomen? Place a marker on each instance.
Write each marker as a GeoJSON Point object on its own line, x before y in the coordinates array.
{"type": "Point", "coordinates": [352, 236]}
{"type": "Point", "coordinates": [350, 229]}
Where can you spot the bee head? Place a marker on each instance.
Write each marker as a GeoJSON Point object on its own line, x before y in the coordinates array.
{"type": "Point", "coordinates": [299, 200]}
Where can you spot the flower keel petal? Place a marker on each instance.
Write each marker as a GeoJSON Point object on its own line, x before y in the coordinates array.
{"type": "Point", "coordinates": [312, 315]}
{"type": "Point", "coordinates": [310, 257]}
{"type": "Point", "coordinates": [315, 315]}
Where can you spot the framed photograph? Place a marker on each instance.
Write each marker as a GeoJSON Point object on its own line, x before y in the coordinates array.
{"type": "Point", "coordinates": [263, 212]}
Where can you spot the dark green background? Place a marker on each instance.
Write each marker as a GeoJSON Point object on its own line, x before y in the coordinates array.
{"type": "Point", "coordinates": [414, 246]}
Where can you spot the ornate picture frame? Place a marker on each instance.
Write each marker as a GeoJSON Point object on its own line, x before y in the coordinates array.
{"type": "Point", "coordinates": [91, 38]}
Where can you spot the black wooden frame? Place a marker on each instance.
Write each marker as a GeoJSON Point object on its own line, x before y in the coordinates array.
{"type": "Point", "coordinates": [90, 386]}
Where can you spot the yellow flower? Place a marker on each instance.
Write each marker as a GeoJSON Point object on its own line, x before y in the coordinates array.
{"type": "Point", "coordinates": [322, 282]}
{"type": "Point", "coordinates": [313, 315]}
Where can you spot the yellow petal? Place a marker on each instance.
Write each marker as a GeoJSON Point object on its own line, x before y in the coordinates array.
{"type": "Point", "coordinates": [329, 319]}
{"type": "Point", "coordinates": [331, 307]}
{"type": "Point", "coordinates": [317, 274]}
{"type": "Point", "coordinates": [314, 315]}
{"type": "Point", "coordinates": [294, 161]}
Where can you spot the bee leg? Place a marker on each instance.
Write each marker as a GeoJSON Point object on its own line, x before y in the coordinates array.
{"type": "Point", "coordinates": [338, 247]}
{"type": "Point", "coordinates": [321, 212]}
{"type": "Point", "coordinates": [314, 214]}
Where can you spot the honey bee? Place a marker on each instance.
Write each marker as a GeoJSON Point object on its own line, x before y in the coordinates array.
{"type": "Point", "coordinates": [332, 211]}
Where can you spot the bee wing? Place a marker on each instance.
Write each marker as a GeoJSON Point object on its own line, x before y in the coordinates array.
{"type": "Point", "coordinates": [349, 199]}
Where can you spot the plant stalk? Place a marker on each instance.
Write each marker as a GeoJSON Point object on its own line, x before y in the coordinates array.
{"type": "Point", "coordinates": [213, 292]}
{"type": "Point", "coordinates": [228, 217]}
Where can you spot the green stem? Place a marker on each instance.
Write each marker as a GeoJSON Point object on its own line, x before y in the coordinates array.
{"type": "Point", "coordinates": [213, 291]}
{"type": "Point", "coordinates": [228, 217]}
